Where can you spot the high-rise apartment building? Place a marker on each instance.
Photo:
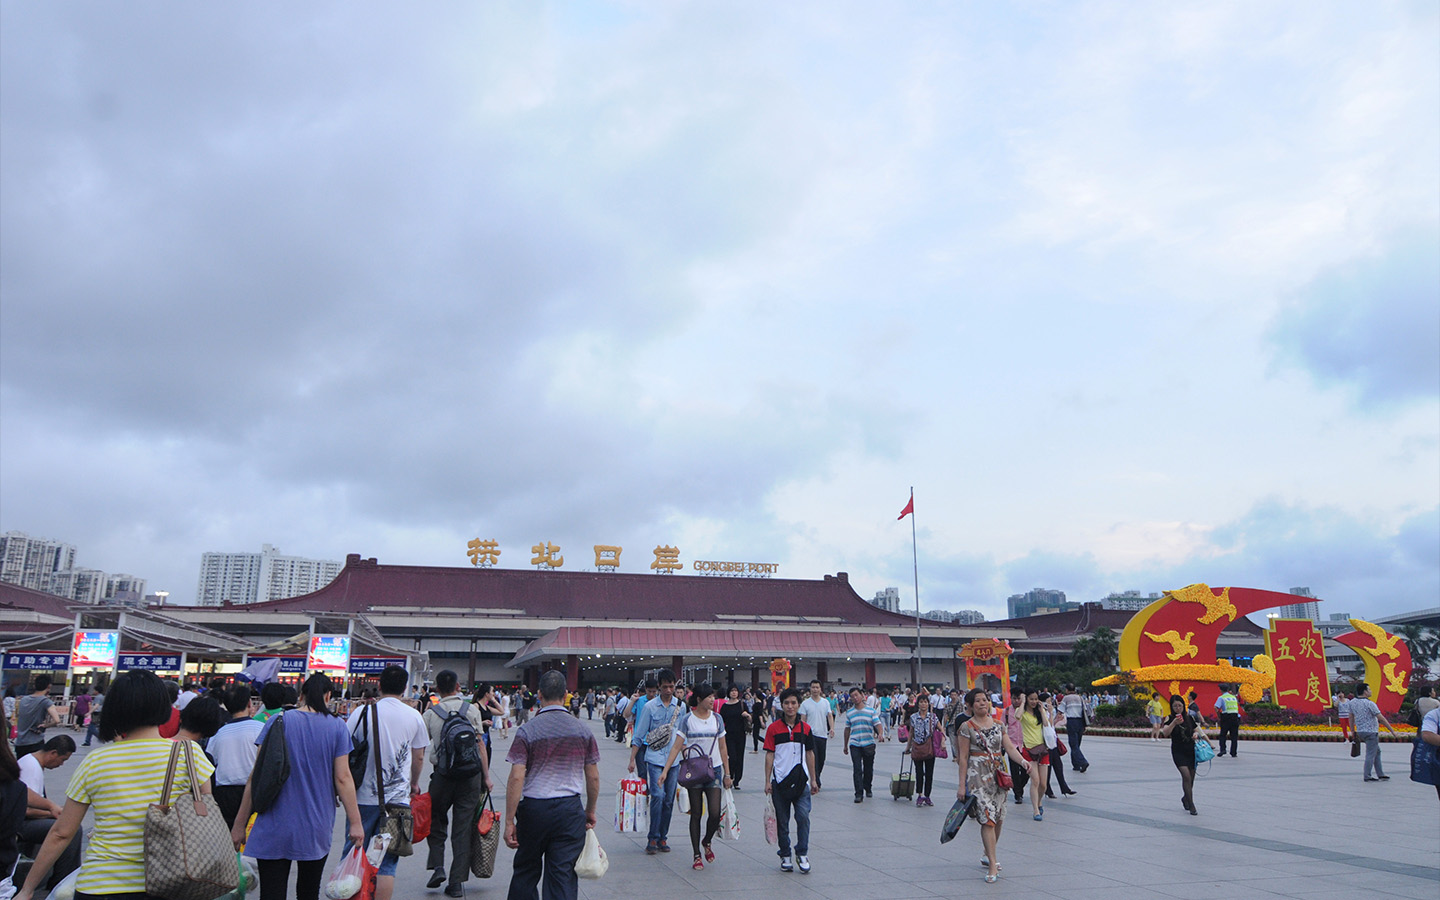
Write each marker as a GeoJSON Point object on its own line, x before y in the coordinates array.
{"type": "Point", "coordinates": [81, 585]}
{"type": "Point", "coordinates": [888, 599]}
{"type": "Point", "coordinates": [1131, 601]}
{"type": "Point", "coordinates": [253, 577]}
{"type": "Point", "coordinates": [1038, 601]}
{"type": "Point", "coordinates": [30, 562]}
{"type": "Point", "coordinates": [1307, 609]}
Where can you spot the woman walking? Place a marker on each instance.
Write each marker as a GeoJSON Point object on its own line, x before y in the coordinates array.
{"type": "Point", "coordinates": [704, 731]}
{"type": "Point", "coordinates": [980, 744]}
{"type": "Point", "coordinates": [118, 781]}
{"type": "Point", "coordinates": [923, 726]}
{"type": "Point", "coordinates": [1157, 709]}
{"type": "Point", "coordinates": [1010, 718]}
{"type": "Point", "coordinates": [737, 726]}
{"type": "Point", "coordinates": [298, 826]}
{"type": "Point", "coordinates": [1032, 729]}
{"type": "Point", "coordinates": [1181, 728]}
{"type": "Point", "coordinates": [1057, 752]}
{"type": "Point", "coordinates": [758, 719]}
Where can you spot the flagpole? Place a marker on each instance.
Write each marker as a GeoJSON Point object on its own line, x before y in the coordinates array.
{"type": "Point", "coordinates": [915, 561]}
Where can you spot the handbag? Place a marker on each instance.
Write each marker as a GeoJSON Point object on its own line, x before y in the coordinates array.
{"type": "Point", "coordinates": [697, 770]}
{"type": "Point", "coordinates": [922, 750]}
{"type": "Point", "coordinates": [398, 822]}
{"type": "Point", "coordinates": [937, 741]}
{"type": "Point", "coordinates": [1002, 774]}
{"type": "Point", "coordinates": [485, 839]}
{"type": "Point", "coordinates": [1203, 752]}
{"type": "Point", "coordinates": [1051, 738]}
{"type": "Point", "coordinates": [962, 810]}
{"type": "Point", "coordinates": [272, 767]}
{"type": "Point", "coordinates": [188, 852]}
{"type": "Point", "coordinates": [1355, 746]}
{"type": "Point", "coordinates": [903, 733]}
{"type": "Point", "coordinates": [360, 751]}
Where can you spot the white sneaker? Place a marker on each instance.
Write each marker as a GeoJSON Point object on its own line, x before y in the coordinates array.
{"type": "Point", "coordinates": [804, 863]}
{"type": "Point", "coordinates": [786, 865]}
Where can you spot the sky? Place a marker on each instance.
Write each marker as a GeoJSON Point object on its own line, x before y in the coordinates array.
{"type": "Point", "coordinates": [1132, 296]}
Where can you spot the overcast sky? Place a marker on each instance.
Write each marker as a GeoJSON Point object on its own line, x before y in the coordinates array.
{"type": "Point", "coordinates": [1134, 295]}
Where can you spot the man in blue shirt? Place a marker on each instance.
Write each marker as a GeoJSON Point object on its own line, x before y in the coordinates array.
{"type": "Point", "coordinates": [653, 722]}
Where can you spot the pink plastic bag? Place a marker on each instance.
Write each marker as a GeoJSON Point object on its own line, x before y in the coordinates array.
{"type": "Point", "coordinates": [772, 826]}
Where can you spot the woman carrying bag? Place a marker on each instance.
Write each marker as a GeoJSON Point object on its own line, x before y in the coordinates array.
{"type": "Point", "coordinates": [702, 732]}
{"type": "Point", "coordinates": [923, 726]}
{"type": "Point", "coordinates": [981, 744]}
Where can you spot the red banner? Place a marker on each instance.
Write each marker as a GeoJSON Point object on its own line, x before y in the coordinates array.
{"type": "Point", "coordinates": [1298, 651]}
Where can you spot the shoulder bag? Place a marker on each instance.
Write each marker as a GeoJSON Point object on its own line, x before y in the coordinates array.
{"type": "Point", "coordinates": [188, 852]}
{"type": "Point", "coordinates": [272, 767]}
{"type": "Point", "coordinates": [361, 749]}
{"type": "Point", "coordinates": [659, 738]}
{"type": "Point", "coordinates": [921, 750]}
{"type": "Point", "coordinates": [398, 821]}
{"type": "Point", "coordinates": [485, 839]}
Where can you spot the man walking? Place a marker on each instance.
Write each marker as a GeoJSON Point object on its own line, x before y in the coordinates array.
{"type": "Point", "coordinates": [1366, 719]}
{"type": "Point", "coordinates": [1228, 706]}
{"type": "Point", "coordinates": [862, 731]}
{"type": "Point", "coordinates": [402, 742]}
{"type": "Point", "coordinates": [97, 703]}
{"type": "Point", "coordinates": [654, 733]}
{"type": "Point", "coordinates": [33, 714]}
{"type": "Point", "coordinates": [461, 769]}
{"type": "Point", "coordinates": [790, 779]}
{"type": "Point", "coordinates": [552, 759]}
{"type": "Point", "coordinates": [820, 717]}
{"type": "Point", "coordinates": [1073, 704]}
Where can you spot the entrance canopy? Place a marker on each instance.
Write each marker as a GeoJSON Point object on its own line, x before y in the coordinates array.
{"type": "Point", "coordinates": [603, 641]}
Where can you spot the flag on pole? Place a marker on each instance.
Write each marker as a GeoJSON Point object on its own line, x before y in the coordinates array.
{"type": "Point", "coordinates": [909, 508]}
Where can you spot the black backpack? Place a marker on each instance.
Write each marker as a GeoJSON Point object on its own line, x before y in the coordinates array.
{"type": "Point", "coordinates": [457, 754]}
{"type": "Point", "coordinates": [360, 747]}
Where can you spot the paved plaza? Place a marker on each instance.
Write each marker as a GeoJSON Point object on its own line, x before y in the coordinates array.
{"type": "Point", "coordinates": [1282, 820]}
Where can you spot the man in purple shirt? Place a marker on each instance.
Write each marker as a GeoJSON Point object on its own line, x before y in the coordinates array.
{"type": "Point", "coordinates": [553, 758]}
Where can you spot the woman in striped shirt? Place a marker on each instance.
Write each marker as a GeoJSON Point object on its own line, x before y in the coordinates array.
{"type": "Point", "coordinates": [119, 781]}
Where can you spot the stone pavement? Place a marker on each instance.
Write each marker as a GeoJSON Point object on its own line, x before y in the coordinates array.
{"type": "Point", "coordinates": [1282, 820]}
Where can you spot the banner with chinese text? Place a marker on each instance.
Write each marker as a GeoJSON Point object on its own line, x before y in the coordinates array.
{"type": "Point", "coordinates": [1298, 651]}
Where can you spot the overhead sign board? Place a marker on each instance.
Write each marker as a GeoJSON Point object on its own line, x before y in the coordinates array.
{"type": "Point", "coordinates": [329, 653]}
{"type": "Point", "coordinates": [95, 649]}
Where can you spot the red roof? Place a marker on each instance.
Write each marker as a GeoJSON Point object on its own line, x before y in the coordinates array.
{"type": "Point", "coordinates": [13, 596]}
{"type": "Point", "coordinates": [729, 642]}
{"type": "Point", "coordinates": [366, 586]}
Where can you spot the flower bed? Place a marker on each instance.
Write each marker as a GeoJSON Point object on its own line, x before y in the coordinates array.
{"type": "Point", "coordinates": [1404, 733]}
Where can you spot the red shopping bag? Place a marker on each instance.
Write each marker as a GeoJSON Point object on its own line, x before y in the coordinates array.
{"type": "Point", "coordinates": [420, 812]}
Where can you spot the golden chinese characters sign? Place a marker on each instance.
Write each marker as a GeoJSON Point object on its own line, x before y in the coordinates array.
{"type": "Point", "coordinates": [1298, 652]}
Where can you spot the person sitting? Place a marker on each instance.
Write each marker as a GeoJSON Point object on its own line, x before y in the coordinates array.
{"type": "Point", "coordinates": [41, 813]}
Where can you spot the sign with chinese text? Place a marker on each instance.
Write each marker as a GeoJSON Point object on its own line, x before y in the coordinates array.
{"type": "Point", "coordinates": [95, 649]}
{"type": "Point", "coordinates": [289, 665]}
{"type": "Point", "coordinates": [150, 662]}
{"type": "Point", "coordinates": [329, 653]}
{"type": "Point", "coordinates": [374, 665]}
{"type": "Point", "coordinates": [38, 662]}
{"type": "Point", "coordinates": [1301, 682]}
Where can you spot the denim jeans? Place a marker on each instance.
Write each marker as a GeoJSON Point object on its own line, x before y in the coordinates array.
{"type": "Point", "coordinates": [662, 801]}
{"type": "Point", "coordinates": [1371, 740]}
{"type": "Point", "coordinates": [1075, 730]}
{"type": "Point", "coordinates": [802, 822]}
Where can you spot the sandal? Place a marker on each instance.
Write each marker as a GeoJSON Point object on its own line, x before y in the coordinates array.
{"type": "Point", "coordinates": [991, 879]}
{"type": "Point", "coordinates": [698, 864]}
{"type": "Point", "coordinates": [709, 854]}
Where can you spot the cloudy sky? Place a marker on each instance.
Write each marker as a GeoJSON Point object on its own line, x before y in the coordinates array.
{"type": "Point", "coordinates": [1133, 297]}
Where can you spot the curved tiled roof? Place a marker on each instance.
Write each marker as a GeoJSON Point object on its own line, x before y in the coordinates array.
{"type": "Point", "coordinates": [366, 586]}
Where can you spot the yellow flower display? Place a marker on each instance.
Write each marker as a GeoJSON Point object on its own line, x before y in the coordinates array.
{"type": "Point", "coordinates": [1252, 682]}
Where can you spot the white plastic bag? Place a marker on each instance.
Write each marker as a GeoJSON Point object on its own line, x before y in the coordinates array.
{"type": "Point", "coordinates": [1051, 738]}
{"type": "Point", "coordinates": [348, 877]}
{"type": "Point", "coordinates": [682, 801]}
{"type": "Point", "coordinates": [65, 890]}
{"type": "Point", "coordinates": [379, 845]}
{"type": "Point", "coordinates": [729, 817]}
{"type": "Point", "coordinates": [772, 825]}
{"type": "Point", "coordinates": [592, 862]}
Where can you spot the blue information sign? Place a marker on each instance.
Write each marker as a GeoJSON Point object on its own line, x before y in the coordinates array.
{"type": "Point", "coordinates": [288, 664]}
{"type": "Point", "coordinates": [373, 665]}
{"type": "Point", "coordinates": [37, 662]}
{"type": "Point", "coordinates": [164, 662]}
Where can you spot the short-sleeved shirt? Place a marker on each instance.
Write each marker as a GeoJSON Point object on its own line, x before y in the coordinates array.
{"type": "Point", "coordinates": [705, 734]}
{"type": "Point", "coordinates": [119, 781]}
{"type": "Point", "coordinates": [436, 715]}
{"type": "Point", "coordinates": [402, 732]}
{"type": "Point", "coordinates": [554, 747]}
{"type": "Point", "coordinates": [788, 743]}
{"type": "Point", "coordinates": [816, 714]}
{"type": "Point", "coordinates": [1431, 722]}
{"type": "Point", "coordinates": [300, 824]}
{"type": "Point", "coordinates": [652, 715]}
{"type": "Point", "coordinates": [862, 721]}
{"type": "Point", "coordinates": [1364, 716]}
{"type": "Point", "coordinates": [1074, 706]}
{"type": "Point", "coordinates": [234, 750]}
{"type": "Point", "coordinates": [32, 773]}
{"type": "Point", "coordinates": [31, 715]}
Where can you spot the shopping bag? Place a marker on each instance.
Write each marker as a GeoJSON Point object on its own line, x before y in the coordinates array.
{"type": "Point", "coordinates": [729, 817]}
{"type": "Point", "coordinates": [682, 801]}
{"type": "Point", "coordinates": [772, 825]}
{"type": "Point", "coordinates": [349, 877]}
{"type": "Point", "coordinates": [420, 811]}
{"type": "Point", "coordinates": [485, 840]}
{"type": "Point", "coordinates": [592, 862]}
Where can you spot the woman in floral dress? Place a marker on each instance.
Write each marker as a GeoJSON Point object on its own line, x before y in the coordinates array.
{"type": "Point", "coordinates": [980, 742]}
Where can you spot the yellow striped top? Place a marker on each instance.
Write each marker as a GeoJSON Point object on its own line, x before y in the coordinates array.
{"type": "Point", "coordinates": [120, 781]}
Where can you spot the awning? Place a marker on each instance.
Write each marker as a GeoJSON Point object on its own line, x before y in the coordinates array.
{"type": "Point", "coordinates": [590, 640]}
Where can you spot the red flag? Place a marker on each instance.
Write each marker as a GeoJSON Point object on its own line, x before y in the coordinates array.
{"type": "Point", "coordinates": [909, 508]}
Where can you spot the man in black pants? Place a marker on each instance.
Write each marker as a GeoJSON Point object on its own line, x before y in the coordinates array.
{"type": "Point", "coordinates": [1229, 708]}
{"type": "Point", "coordinates": [453, 791]}
{"type": "Point", "coordinates": [553, 758]}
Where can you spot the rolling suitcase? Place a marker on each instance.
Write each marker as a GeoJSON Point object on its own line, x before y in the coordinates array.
{"type": "Point", "coordinates": [902, 783]}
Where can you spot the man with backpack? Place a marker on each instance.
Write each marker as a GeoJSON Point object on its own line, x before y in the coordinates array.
{"type": "Point", "coordinates": [461, 769]}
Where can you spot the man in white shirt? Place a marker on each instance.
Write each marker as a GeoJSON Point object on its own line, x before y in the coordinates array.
{"type": "Point", "coordinates": [1073, 706]}
{"type": "Point", "coordinates": [186, 696]}
{"type": "Point", "coordinates": [234, 751]}
{"type": "Point", "coordinates": [41, 816]}
{"type": "Point", "coordinates": [817, 714]}
{"type": "Point", "coordinates": [403, 739]}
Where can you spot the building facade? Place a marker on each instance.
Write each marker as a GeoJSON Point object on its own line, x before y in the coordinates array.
{"type": "Point", "coordinates": [888, 600]}
{"type": "Point", "coordinates": [31, 562]}
{"type": "Point", "coordinates": [1303, 609]}
{"type": "Point", "coordinates": [1130, 601]}
{"type": "Point", "coordinates": [243, 578]}
{"type": "Point", "coordinates": [1038, 601]}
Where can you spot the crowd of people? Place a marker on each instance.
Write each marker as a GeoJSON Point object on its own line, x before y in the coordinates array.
{"type": "Point", "coordinates": [365, 755]}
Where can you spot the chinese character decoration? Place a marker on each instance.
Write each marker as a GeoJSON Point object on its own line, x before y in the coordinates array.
{"type": "Point", "coordinates": [546, 554]}
{"type": "Point", "coordinates": [1296, 649]}
{"type": "Point", "coordinates": [667, 560]}
{"type": "Point", "coordinates": [483, 553]}
{"type": "Point", "coordinates": [607, 557]}
{"type": "Point", "coordinates": [1387, 663]}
